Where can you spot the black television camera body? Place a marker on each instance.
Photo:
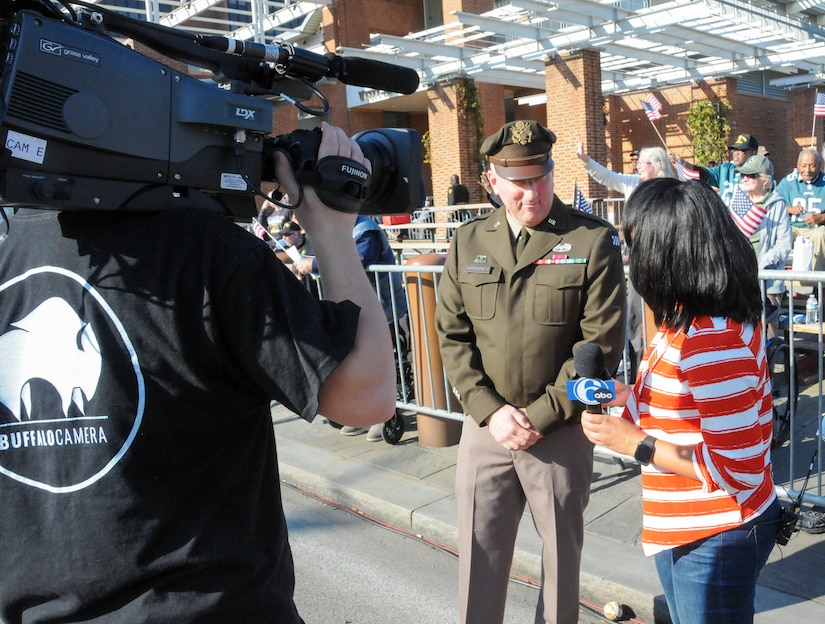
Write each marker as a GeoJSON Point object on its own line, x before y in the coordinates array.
{"type": "Point", "coordinates": [87, 123]}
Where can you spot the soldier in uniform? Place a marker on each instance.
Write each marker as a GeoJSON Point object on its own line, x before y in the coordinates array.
{"type": "Point", "coordinates": [508, 321]}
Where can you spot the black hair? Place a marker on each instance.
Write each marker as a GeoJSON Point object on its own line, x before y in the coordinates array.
{"type": "Point", "coordinates": [687, 256]}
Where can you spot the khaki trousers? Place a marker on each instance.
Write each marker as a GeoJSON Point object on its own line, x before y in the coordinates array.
{"type": "Point", "coordinates": [492, 486]}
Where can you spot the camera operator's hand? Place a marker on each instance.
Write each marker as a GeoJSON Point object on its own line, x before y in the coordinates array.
{"type": "Point", "coordinates": [315, 216]}
{"type": "Point", "coordinates": [361, 391]}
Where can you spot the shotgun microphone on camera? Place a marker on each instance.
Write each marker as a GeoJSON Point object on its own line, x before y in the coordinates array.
{"type": "Point", "coordinates": [294, 61]}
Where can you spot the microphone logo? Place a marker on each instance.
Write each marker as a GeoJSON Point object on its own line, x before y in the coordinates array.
{"type": "Point", "coordinates": [591, 391]}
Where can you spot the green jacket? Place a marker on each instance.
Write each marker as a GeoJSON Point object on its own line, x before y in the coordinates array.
{"type": "Point", "coordinates": [507, 332]}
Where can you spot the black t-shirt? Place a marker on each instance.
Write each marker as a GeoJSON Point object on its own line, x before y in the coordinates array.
{"type": "Point", "coordinates": [138, 470]}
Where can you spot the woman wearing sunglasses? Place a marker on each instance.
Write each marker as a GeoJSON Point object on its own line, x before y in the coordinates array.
{"type": "Point", "coordinates": [761, 214]}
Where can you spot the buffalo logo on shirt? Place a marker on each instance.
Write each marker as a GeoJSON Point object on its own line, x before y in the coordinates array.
{"type": "Point", "coordinates": [50, 343]}
{"type": "Point", "coordinates": [56, 432]}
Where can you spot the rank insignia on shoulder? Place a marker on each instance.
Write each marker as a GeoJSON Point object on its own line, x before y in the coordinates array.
{"type": "Point", "coordinates": [563, 247]}
{"type": "Point", "coordinates": [479, 268]}
{"type": "Point", "coordinates": [481, 259]}
{"type": "Point", "coordinates": [617, 242]}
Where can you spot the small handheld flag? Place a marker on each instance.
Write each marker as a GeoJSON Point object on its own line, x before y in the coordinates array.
{"type": "Point", "coordinates": [652, 107]}
{"type": "Point", "coordinates": [745, 213]}
{"type": "Point", "coordinates": [819, 104]}
{"type": "Point", "coordinates": [259, 230]}
{"type": "Point", "coordinates": [685, 173]}
{"type": "Point", "coordinates": [579, 202]}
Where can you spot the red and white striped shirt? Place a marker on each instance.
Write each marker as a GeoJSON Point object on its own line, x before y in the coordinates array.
{"type": "Point", "coordinates": [707, 387]}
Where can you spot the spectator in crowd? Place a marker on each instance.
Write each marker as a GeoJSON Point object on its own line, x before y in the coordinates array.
{"type": "Point", "coordinates": [771, 239]}
{"type": "Point", "coordinates": [652, 162]}
{"type": "Point", "coordinates": [804, 193]}
{"type": "Point", "coordinates": [521, 288]}
{"type": "Point", "coordinates": [634, 161]}
{"type": "Point", "coordinates": [724, 176]}
{"type": "Point", "coordinates": [698, 418]}
{"type": "Point", "coordinates": [272, 216]}
{"type": "Point", "coordinates": [374, 248]}
{"type": "Point", "coordinates": [176, 336]}
{"type": "Point", "coordinates": [292, 237]}
{"type": "Point", "coordinates": [457, 193]}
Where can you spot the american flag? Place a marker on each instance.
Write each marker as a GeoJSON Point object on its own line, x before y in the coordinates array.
{"type": "Point", "coordinates": [745, 213]}
{"type": "Point", "coordinates": [259, 230]}
{"type": "Point", "coordinates": [685, 173]}
{"type": "Point", "coordinates": [819, 104]}
{"type": "Point", "coordinates": [579, 202]}
{"type": "Point", "coordinates": [652, 107]}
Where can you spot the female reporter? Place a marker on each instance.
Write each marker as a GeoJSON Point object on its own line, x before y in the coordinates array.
{"type": "Point", "coordinates": [698, 418]}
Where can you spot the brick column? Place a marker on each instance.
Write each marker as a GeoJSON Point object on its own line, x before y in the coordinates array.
{"type": "Point", "coordinates": [574, 110]}
{"type": "Point", "coordinates": [453, 143]}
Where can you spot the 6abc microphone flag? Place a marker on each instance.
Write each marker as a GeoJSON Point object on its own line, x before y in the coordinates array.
{"type": "Point", "coordinates": [592, 383]}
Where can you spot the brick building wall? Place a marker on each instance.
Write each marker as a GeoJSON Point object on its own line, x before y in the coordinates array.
{"type": "Point", "coordinates": [453, 143]}
{"type": "Point", "coordinates": [575, 110]}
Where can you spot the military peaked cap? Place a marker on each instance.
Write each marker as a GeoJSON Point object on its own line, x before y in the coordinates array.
{"type": "Point", "coordinates": [520, 150]}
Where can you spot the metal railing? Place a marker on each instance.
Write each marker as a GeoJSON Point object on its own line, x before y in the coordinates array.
{"type": "Point", "coordinates": [790, 461]}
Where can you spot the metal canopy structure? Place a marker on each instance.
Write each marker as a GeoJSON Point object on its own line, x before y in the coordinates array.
{"type": "Point", "coordinates": [643, 43]}
{"type": "Point", "coordinates": [641, 47]}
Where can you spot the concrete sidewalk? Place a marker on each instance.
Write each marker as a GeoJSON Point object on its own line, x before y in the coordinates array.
{"type": "Point", "coordinates": [411, 487]}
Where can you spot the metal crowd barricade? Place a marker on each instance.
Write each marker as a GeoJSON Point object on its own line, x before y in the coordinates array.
{"type": "Point", "coordinates": [790, 461]}
{"type": "Point", "coordinates": [610, 209]}
{"type": "Point", "coordinates": [420, 404]}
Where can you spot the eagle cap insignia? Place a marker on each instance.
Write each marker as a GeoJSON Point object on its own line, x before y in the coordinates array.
{"type": "Point", "coordinates": [521, 133]}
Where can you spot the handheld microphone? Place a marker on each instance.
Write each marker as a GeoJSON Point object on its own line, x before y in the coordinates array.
{"type": "Point", "coordinates": [592, 384]}
{"type": "Point", "coordinates": [288, 59]}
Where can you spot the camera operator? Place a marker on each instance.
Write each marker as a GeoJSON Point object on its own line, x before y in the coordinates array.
{"type": "Point", "coordinates": [141, 351]}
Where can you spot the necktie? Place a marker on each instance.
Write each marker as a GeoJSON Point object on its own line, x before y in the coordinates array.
{"type": "Point", "coordinates": [521, 242]}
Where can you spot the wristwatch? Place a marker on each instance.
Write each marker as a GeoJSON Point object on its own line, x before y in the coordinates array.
{"type": "Point", "coordinates": [644, 450]}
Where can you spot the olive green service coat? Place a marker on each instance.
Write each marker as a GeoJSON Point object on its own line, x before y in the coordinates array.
{"type": "Point", "coordinates": [507, 331]}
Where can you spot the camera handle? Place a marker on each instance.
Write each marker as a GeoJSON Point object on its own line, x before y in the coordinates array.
{"type": "Point", "coordinates": [341, 183]}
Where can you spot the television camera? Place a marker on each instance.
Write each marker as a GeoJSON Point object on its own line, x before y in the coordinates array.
{"type": "Point", "coordinates": [88, 123]}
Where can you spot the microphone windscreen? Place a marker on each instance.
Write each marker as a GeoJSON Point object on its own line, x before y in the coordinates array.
{"type": "Point", "coordinates": [589, 362]}
{"type": "Point", "coordinates": [376, 75]}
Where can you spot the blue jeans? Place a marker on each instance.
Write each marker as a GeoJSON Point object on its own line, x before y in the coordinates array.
{"type": "Point", "coordinates": [714, 580]}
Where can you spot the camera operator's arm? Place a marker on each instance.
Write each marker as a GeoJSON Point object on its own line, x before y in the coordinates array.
{"type": "Point", "coordinates": [361, 391]}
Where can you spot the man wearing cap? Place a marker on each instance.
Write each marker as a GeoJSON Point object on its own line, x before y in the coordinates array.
{"type": "Point", "coordinates": [634, 162]}
{"type": "Point", "coordinates": [804, 192]}
{"type": "Point", "coordinates": [273, 216]}
{"type": "Point", "coordinates": [724, 176]}
{"type": "Point", "coordinates": [522, 288]}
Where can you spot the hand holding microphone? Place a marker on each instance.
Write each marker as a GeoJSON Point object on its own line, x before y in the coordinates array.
{"type": "Point", "coordinates": [593, 386]}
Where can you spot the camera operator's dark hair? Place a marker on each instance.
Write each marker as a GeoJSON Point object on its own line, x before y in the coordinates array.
{"type": "Point", "coordinates": [687, 256]}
